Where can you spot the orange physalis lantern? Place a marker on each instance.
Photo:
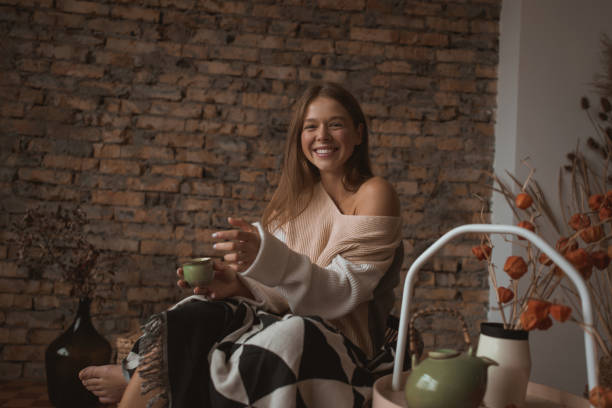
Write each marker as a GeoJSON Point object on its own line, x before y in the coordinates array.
{"type": "Point", "coordinates": [592, 234]}
{"type": "Point", "coordinates": [515, 267]}
{"type": "Point", "coordinates": [529, 320]}
{"type": "Point", "coordinates": [544, 259]}
{"type": "Point", "coordinates": [563, 245]}
{"type": "Point", "coordinates": [600, 259]}
{"type": "Point", "coordinates": [595, 201]}
{"type": "Point", "coordinates": [481, 252]}
{"type": "Point", "coordinates": [527, 225]}
{"type": "Point", "coordinates": [605, 213]}
{"type": "Point", "coordinates": [523, 201]}
{"type": "Point", "coordinates": [559, 312]}
{"type": "Point", "coordinates": [504, 294]}
{"type": "Point", "coordinates": [579, 221]}
{"type": "Point", "coordinates": [538, 307]}
{"type": "Point", "coordinates": [601, 397]}
{"type": "Point", "coordinates": [545, 323]}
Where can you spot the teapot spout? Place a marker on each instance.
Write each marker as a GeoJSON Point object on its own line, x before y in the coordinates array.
{"type": "Point", "coordinates": [487, 361]}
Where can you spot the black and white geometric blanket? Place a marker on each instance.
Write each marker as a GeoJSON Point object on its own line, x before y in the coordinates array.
{"type": "Point", "coordinates": [263, 360]}
{"type": "Point", "coordinates": [288, 361]}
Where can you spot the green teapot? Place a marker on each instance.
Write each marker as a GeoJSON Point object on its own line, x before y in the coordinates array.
{"type": "Point", "coordinates": [447, 378]}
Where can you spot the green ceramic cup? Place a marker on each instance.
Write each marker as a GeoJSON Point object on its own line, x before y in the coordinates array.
{"type": "Point", "coordinates": [198, 271]}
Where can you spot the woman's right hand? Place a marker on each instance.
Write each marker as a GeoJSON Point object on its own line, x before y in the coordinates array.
{"type": "Point", "coordinates": [224, 284]}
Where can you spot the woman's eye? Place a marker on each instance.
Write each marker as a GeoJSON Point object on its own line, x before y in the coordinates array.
{"type": "Point", "coordinates": [335, 125]}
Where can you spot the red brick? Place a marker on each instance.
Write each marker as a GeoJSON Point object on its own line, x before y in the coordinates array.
{"type": "Point", "coordinates": [23, 127]}
{"type": "Point", "coordinates": [309, 45]}
{"type": "Point", "coordinates": [306, 74]}
{"type": "Point", "coordinates": [130, 46]}
{"type": "Point", "coordinates": [484, 26]}
{"type": "Point", "coordinates": [457, 85]}
{"type": "Point", "coordinates": [119, 167]}
{"type": "Point", "coordinates": [224, 7]}
{"type": "Point", "coordinates": [259, 41]}
{"type": "Point", "coordinates": [173, 139]}
{"type": "Point", "coordinates": [135, 13]}
{"type": "Point", "coordinates": [235, 53]}
{"type": "Point", "coordinates": [359, 48]}
{"type": "Point", "coordinates": [486, 71]}
{"type": "Point", "coordinates": [374, 34]}
{"type": "Point", "coordinates": [456, 55]}
{"type": "Point", "coordinates": [168, 92]}
{"type": "Point", "coordinates": [115, 244]}
{"type": "Point", "coordinates": [447, 25]}
{"type": "Point", "coordinates": [180, 109]}
{"type": "Point", "coordinates": [146, 152]}
{"type": "Point", "coordinates": [30, 95]}
{"type": "Point", "coordinates": [124, 198]}
{"type": "Point", "coordinates": [150, 215]}
{"type": "Point", "coordinates": [195, 204]}
{"type": "Point", "coordinates": [450, 144]}
{"type": "Point", "coordinates": [179, 170]}
{"type": "Point", "coordinates": [396, 66]}
{"type": "Point", "coordinates": [12, 352]}
{"type": "Point", "coordinates": [273, 72]}
{"type": "Point", "coordinates": [194, 51]}
{"type": "Point", "coordinates": [83, 7]}
{"type": "Point", "coordinates": [350, 5]}
{"type": "Point", "coordinates": [213, 96]}
{"type": "Point", "coordinates": [70, 162]}
{"type": "Point", "coordinates": [45, 176]}
{"type": "Point", "coordinates": [146, 231]}
{"type": "Point", "coordinates": [263, 10]}
{"type": "Point", "coordinates": [107, 151]}
{"type": "Point", "coordinates": [107, 25]}
{"type": "Point", "coordinates": [160, 123]}
{"type": "Point", "coordinates": [150, 183]}
{"type": "Point", "coordinates": [395, 126]}
{"type": "Point", "coordinates": [58, 19]}
{"type": "Point", "coordinates": [264, 101]}
{"type": "Point", "coordinates": [217, 67]}
{"type": "Point", "coordinates": [409, 53]}
{"type": "Point", "coordinates": [33, 65]}
{"type": "Point", "coordinates": [11, 109]}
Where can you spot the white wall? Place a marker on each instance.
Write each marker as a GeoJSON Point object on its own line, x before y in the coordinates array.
{"type": "Point", "coordinates": [549, 53]}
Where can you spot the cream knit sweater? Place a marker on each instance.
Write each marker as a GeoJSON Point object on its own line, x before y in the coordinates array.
{"type": "Point", "coordinates": [327, 264]}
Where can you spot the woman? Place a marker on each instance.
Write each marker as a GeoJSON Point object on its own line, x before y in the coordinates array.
{"type": "Point", "coordinates": [299, 304]}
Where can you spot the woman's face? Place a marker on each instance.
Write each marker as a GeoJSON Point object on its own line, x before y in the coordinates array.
{"type": "Point", "coordinates": [328, 135]}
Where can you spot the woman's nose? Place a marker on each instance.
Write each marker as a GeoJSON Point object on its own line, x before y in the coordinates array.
{"type": "Point", "coordinates": [322, 133]}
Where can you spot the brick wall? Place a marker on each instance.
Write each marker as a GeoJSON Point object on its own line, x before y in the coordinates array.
{"type": "Point", "coordinates": [162, 117]}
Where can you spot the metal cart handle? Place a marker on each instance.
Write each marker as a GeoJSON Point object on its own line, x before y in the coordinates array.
{"type": "Point", "coordinates": [561, 262]}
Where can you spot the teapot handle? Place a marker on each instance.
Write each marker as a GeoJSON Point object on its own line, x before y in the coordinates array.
{"type": "Point", "coordinates": [432, 310]}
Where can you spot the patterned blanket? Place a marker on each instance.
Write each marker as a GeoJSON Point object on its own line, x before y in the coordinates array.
{"type": "Point", "coordinates": [266, 360]}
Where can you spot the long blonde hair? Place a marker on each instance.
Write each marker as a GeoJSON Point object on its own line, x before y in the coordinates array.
{"type": "Point", "coordinates": [299, 176]}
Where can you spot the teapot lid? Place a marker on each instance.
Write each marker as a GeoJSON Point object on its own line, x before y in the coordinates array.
{"type": "Point", "coordinates": [442, 354]}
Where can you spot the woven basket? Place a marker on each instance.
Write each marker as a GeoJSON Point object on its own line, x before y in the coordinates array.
{"type": "Point", "coordinates": [123, 344]}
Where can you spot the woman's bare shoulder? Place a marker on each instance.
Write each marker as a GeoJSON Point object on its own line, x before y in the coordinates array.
{"type": "Point", "coordinates": [377, 196]}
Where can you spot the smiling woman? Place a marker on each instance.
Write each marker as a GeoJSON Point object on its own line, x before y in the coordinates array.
{"type": "Point", "coordinates": [302, 296]}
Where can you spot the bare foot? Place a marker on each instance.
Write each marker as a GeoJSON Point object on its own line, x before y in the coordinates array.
{"type": "Point", "coordinates": [105, 382]}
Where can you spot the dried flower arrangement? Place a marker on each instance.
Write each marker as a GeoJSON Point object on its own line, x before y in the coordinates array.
{"type": "Point", "coordinates": [534, 307]}
{"type": "Point", "coordinates": [55, 240]}
{"type": "Point", "coordinates": [584, 239]}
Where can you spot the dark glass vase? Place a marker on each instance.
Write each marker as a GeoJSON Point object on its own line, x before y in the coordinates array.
{"type": "Point", "coordinates": [78, 347]}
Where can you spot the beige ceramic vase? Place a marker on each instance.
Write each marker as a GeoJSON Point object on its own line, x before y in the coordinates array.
{"type": "Point", "coordinates": [507, 382]}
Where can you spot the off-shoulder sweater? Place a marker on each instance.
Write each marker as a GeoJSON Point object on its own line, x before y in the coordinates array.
{"type": "Point", "coordinates": [339, 267]}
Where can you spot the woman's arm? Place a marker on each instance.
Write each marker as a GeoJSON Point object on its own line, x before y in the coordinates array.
{"type": "Point", "coordinates": [336, 289]}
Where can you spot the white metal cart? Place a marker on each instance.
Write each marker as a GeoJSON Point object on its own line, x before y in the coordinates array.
{"type": "Point", "coordinates": [388, 390]}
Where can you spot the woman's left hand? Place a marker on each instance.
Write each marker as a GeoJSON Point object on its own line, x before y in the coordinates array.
{"type": "Point", "coordinates": [240, 245]}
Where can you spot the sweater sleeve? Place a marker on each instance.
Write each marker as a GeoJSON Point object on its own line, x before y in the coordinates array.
{"type": "Point", "coordinates": [330, 292]}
